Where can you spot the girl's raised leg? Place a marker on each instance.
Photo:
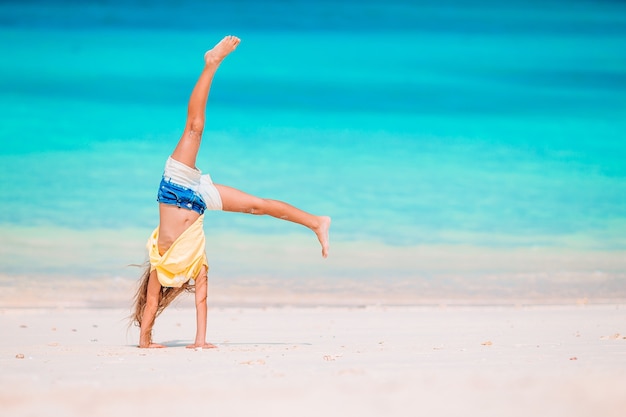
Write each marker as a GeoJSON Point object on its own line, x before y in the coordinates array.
{"type": "Point", "coordinates": [172, 220]}
{"type": "Point", "coordinates": [189, 143]}
{"type": "Point", "coordinates": [237, 201]}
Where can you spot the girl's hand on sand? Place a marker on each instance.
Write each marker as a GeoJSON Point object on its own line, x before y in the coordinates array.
{"type": "Point", "coordinates": [204, 345]}
{"type": "Point", "coordinates": [152, 346]}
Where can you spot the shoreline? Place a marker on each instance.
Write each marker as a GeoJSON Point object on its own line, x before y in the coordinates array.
{"type": "Point", "coordinates": [54, 292]}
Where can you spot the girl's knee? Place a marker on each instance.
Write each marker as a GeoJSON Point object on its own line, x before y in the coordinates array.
{"type": "Point", "coordinates": [259, 206]}
{"type": "Point", "coordinates": [195, 126]}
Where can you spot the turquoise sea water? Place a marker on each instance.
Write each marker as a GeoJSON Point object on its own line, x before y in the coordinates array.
{"type": "Point", "coordinates": [460, 147]}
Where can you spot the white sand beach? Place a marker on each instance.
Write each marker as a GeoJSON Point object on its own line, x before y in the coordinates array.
{"type": "Point", "coordinates": [332, 361]}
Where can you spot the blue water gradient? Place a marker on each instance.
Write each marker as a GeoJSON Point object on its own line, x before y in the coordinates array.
{"type": "Point", "coordinates": [481, 124]}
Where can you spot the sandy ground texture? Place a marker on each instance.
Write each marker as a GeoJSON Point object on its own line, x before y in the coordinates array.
{"type": "Point", "coordinates": [377, 361]}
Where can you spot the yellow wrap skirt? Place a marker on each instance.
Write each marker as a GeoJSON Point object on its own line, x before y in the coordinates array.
{"type": "Point", "coordinates": [183, 260]}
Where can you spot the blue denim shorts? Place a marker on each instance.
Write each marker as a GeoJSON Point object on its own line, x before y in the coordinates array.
{"type": "Point", "coordinates": [177, 195]}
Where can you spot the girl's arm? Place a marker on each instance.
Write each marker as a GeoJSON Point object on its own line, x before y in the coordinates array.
{"type": "Point", "coordinates": [153, 292]}
{"type": "Point", "coordinates": [201, 312]}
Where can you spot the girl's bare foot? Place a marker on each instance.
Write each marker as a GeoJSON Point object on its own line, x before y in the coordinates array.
{"type": "Point", "coordinates": [221, 50]}
{"type": "Point", "coordinates": [322, 233]}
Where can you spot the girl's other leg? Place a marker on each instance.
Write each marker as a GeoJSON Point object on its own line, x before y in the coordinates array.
{"type": "Point", "coordinates": [237, 201]}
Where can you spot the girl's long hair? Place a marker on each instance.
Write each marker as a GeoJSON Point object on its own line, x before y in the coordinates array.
{"type": "Point", "coordinates": [166, 296]}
